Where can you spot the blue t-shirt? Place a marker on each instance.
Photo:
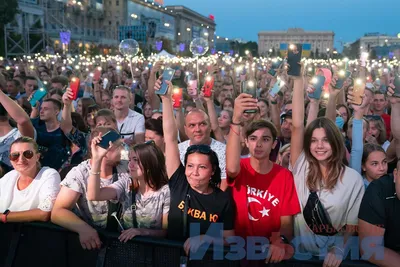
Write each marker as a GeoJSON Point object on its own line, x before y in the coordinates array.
{"type": "Point", "coordinates": [53, 146]}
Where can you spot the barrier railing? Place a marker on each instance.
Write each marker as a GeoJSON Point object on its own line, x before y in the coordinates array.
{"type": "Point", "coordinates": [45, 244]}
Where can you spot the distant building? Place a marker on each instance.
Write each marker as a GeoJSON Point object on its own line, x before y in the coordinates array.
{"type": "Point", "coordinates": [321, 40]}
{"type": "Point", "coordinates": [371, 40]}
{"type": "Point", "coordinates": [223, 44]}
{"type": "Point", "coordinates": [189, 25]}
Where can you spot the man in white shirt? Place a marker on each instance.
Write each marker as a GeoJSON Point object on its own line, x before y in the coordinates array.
{"type": "Point", "coordinates": [198, 129]}
{"type": "Point", "coordinates": [130, 123]}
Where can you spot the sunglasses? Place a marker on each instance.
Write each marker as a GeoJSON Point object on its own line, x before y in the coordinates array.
{"type": "Point", "coordinates": [373, 117]}
{"type": "Point", "coordinates": [28, 154]}
{"type": "Point", "coordinates": [203, 149]}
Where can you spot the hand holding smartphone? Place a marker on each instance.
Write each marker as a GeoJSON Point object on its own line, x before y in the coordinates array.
{"type": "Point", "coordinates": [358, 92]}
{"type": "Point", "coordinates": [110, 136]}
{"type": "Point", "coordinates": [294, 59]}
{"type": "Point", "coordinates": [177, 97]}
{"type": "Point", "coordinates": [277, 87]}
{"type": "Point", "coordinates": [37, 96]}
{"type": "Point", "coordinates": [74, 85]}
{"type": "Point", "coordinates": [167, 75]}
{"type": "Point", "coordinates": [249, 87]}
{"type": "Point", "coordinates": [208, 86]}
{"type": "Point", "coordinates": [276, 64]}
{"type": "Point", "coordinates": [342, 77]}
{"type": "Point", "coordinates": [318, 83]}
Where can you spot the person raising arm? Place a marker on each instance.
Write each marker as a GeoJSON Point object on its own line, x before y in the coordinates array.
{"type": "Point", "coordinates": [193, 186]}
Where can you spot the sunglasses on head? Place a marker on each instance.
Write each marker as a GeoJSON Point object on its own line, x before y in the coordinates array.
{"type": "Point", "coordinates": [373, 117]}
{"type": "Point", "coordinates": [204, 149]}
{"type": "Point", "coordinates": [28, 154]}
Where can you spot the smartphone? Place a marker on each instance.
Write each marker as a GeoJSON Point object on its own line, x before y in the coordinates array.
{"type": "Point", "coordinates": [318, 83]}
{"type": "Point", "coordinates": [277, 87]}
{"type": "Point", "coordinates": [177, 97]}
{"type": "Point", "coordinates": [110, 136]}
{"type": "Point", "coordinates": [276, 64]}
{"type": "Point", "coordinates": [249, 87]}
{"type": "Point", "coordinates": [358, 91]}
{"type": "Point", "coordinates": [343, 75]}
{"type": "Point", "coordinates": [208, 86]}
{"type": "Point", "coordinates": [293, 59]}
{"type": "Point", "coordinates": [363, 59]}
{"type": "Point", "coordinates": [97, 74]}
{"type": "Point", "coordinates": [396, 83]}
{"type": "Point", "coordinates": [167, 75]}
{"type": "Point", "coordinates": [38, 95]}
{"type": "Point", "coordinates": [74, 85]}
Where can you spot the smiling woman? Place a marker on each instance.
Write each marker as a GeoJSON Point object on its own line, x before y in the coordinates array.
{"type": "Point", "coordinates": [28, 192]}
{"type": "Point", "coordinates": [329, 192]}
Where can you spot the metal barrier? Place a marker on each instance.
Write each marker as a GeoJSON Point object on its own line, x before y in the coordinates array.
{"type": "Point", "coordinates": [47, 245]}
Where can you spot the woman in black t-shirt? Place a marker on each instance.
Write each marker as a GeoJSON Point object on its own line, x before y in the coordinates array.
{"type": "Point", "coordinates": [196, 201]}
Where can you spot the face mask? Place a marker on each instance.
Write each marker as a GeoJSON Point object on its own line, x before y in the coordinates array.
{"type": "Point", "coordinates": [339, 122]}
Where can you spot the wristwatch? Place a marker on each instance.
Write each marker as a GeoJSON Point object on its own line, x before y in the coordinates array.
{"type": "Point", "coordinates": [4, 216]}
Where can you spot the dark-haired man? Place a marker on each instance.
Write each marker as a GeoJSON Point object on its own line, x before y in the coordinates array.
{"type": "Point", "coordinates": [264, 192]}
{"type": "Point", "coordinates": [51, 139]}
{"type": "Point", "coordinates": [30, 84]}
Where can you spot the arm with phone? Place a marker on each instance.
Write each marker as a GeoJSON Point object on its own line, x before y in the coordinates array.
{"type": "Point", "coordinates": [154, 99]}
{"type": "Point", "coordinates": [214, 119]}
{"type": "Point", "coordinates": [172, 158]}
{"type": "Point", "coordinates": [66, 119]}
{"type": "Point", "coordinates": [357, 144]}
{"type": "Point", "coordinates": [180, 123]}
{"type": "Point", "coordinates": [296, 142]}
{"type": "Point", "coordinates": [331, 105]}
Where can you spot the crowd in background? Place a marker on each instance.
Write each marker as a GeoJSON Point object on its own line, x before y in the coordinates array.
{"type": "Point", "coordinates": [280, 165]}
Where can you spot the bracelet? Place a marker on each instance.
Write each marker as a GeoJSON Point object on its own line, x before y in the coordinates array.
{"type": "Point", "coordinates": [238, 124]}
{"type": "Point", "coordinates": [234, 131]}
{"type": "Point", "coordinates": [273, 102]}
{"type": "Point", "coordinates": [94, 173]}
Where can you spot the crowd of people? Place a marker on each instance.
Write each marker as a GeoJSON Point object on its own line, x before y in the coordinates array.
{"type": "Point", "coordinates": [300, 170]}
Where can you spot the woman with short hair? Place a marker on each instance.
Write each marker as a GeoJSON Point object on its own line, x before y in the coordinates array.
{"type": "Point", "coordinates": [28, 192]}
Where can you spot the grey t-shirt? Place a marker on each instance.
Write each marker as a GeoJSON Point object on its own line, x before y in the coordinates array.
{"type": "Point", "coordinates": [93, 212]}
{"type": "Point", "coordinates": [342, 204]}
{"type": "Point", "coordinates": [149, 209]}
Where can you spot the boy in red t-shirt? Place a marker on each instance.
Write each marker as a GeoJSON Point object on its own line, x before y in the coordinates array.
{"type": "Point", "coordinates": [264, 192]}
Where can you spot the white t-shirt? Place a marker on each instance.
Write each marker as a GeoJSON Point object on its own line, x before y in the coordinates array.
{"type": "Point", "coordinates": [342, 205]}
{"type": "Point", "coordinates": [40, 194]}
{"type": "Point", "coordinates": [93, 212]}
{"type": "Point", "coordinates": [149, 209]}
{"type": "Point", "coordinates": [132, 124]}
{"type": "Point", "coordinates": [5, 144]}
{"type": "Point", "coordinates": [216, 146]}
